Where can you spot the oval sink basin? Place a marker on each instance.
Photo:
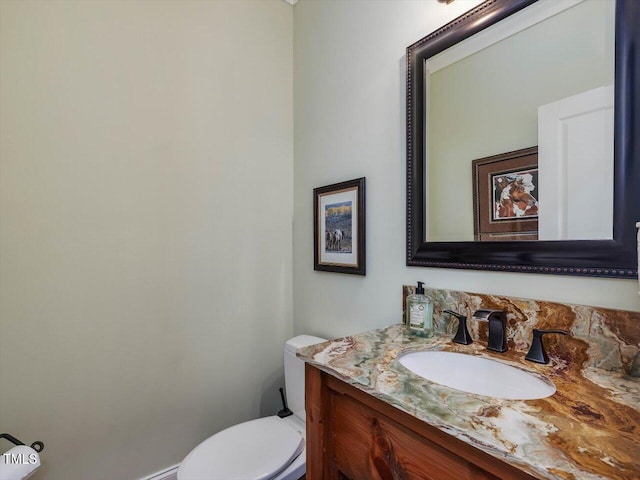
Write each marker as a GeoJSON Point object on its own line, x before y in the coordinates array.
{"type": "Point", "coordinates": [477, 375]}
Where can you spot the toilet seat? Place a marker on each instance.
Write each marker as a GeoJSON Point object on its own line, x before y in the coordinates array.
{"type": "Point", "coordinates": [255, 450]}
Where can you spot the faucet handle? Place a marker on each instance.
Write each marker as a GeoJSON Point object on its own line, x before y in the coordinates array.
{"type": "Point", "coordinates": [537, 353]}
{"type": "Point", "coordinates": [462, 335]}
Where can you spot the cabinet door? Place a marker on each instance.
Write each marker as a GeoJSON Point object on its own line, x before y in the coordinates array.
{"type": "Point", "coordinates": [370, 446]}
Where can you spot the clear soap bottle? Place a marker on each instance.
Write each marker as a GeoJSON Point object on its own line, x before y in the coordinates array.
{"type": "Point", "coordinates": [419, 313]}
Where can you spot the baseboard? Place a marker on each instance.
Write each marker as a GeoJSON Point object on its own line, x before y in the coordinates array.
{"type": "Point", "coordinates": [170, 473]}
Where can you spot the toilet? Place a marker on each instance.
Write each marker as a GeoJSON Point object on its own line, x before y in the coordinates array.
{"type": "Point", "coordinates": [269, 448]}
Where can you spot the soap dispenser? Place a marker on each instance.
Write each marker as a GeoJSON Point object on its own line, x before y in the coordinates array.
{"type": "Point", "coordinates": [419, 313]}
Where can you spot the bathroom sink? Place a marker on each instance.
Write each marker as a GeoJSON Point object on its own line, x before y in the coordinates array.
{"type": "Point", "coordinates": [477, 375]}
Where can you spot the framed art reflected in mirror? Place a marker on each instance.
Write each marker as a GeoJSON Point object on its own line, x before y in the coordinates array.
{"type": "Point", "coordinates": [505, 196]}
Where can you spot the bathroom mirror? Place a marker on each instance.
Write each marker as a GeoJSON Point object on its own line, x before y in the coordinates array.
{"type": "Point", "coordinates": [607, 247]}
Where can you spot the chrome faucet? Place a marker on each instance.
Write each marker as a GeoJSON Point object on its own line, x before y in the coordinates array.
{"type": "Point", "coordinates": [497, 328]}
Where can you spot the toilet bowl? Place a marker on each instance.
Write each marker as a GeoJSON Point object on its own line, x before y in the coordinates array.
{"type": "Point", "coordinates": [269, 448]}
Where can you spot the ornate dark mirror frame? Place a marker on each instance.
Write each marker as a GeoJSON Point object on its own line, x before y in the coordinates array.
{"type": "Point", "coordinates": [600, 258]}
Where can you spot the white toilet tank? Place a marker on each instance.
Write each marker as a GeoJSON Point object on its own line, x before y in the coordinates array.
{"type": "Point", "coordinates": [294, 372]}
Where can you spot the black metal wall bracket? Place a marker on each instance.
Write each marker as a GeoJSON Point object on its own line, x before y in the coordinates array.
{"type": "Point", "coordinates": [37, 446]}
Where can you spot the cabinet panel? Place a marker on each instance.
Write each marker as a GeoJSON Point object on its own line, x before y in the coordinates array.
{"type": "Point", "coordinates": [368, 445]}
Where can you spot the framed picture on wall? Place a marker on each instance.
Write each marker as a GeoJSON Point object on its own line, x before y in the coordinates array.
{"type": "Point", "coordinates": [339, 227]}
{"type": "Point", "coordinates": [505, 196]}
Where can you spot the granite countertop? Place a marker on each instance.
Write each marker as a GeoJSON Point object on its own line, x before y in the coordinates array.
{"type": "Point", "coordinates": [588, 429]}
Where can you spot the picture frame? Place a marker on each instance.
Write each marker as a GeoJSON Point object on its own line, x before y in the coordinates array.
{"type": "Point", "coordinates": [505, 196]}
{"type": "Point", "coordinates": [339, 227]}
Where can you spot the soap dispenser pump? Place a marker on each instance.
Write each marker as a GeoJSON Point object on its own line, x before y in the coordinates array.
{"type": "Point", "coordinates": [419, 313]}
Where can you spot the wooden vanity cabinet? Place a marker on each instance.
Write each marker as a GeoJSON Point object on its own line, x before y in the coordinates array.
{"type": "Point", "coordinates": [352, 435]}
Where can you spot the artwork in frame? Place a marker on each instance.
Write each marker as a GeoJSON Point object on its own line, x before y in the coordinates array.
{"type": "Point", "coordinates": [505, 196]}
{"type": "Point", "coordinates": [339, 227]}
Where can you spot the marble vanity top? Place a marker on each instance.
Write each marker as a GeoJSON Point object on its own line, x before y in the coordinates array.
{"type": "Point", "coordinates": [588, 429]}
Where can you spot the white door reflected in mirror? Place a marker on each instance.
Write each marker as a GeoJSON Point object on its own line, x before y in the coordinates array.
{"type": "Point", "coordinates": [575, 161]}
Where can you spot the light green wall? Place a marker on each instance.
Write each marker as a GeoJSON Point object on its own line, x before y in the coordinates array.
{"type": "Point", "coordinates": [487, 103]}
{"type": "Point", "coordinates": [145, 236]}
{"type": "Point", "coordinates": [349, 84]}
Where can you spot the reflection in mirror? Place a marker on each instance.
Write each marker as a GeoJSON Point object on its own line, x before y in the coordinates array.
{"type": "Point", "coordinates": [542, 77]}
{"type": "Point", "coordinates": [604, 254]}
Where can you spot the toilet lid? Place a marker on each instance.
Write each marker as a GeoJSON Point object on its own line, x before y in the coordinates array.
{"type": "Point", "coordinates": [255, 450]}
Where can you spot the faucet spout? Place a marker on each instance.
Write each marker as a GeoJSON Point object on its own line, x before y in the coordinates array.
{"type": "Point", "coordinates": [497, 328]}
{"type": "Point", "coordinates": [484, 314]}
